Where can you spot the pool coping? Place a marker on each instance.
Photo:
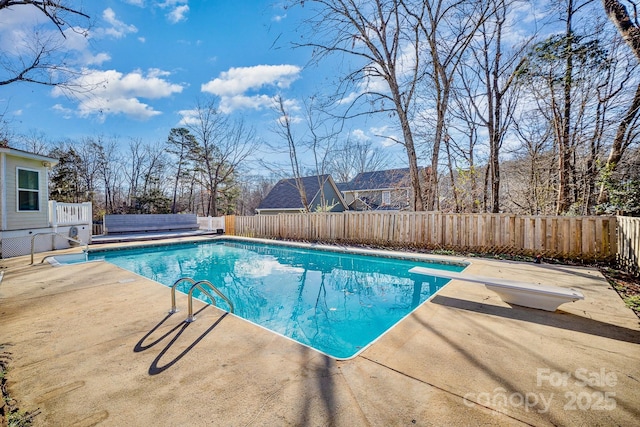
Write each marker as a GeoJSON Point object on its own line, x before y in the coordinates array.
{"type": "Point", "coordinates": [447, 260]}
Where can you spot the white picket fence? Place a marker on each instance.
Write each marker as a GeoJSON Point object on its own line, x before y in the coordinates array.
{"type": "Point", "coordinates": [69, 213]}
{"type": "Point", "coordinates": [211, 223]}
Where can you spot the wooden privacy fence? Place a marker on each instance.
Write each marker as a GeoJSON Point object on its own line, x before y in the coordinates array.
{"type": "Point", "coordinates": [628, 256]}
{"type": "Point", "coordinates": [579, 238]}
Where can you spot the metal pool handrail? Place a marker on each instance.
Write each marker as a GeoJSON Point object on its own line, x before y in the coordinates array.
{"type": "Point", "coordinates": [200, 286]}
{"type": "Point", "coordinates": [33, 238]}
{"type": "Point", "coordinates": [174, 309]}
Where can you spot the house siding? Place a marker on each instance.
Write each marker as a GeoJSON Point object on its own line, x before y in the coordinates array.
{"type": "Point", "coordinates": [399, 197]}
{"type": "Point", "coordinates": [24, 220]}
{"type": "Point", "coordinates": [330, 196]}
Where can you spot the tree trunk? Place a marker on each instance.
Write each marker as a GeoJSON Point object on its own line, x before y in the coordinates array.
{"type": "Point", "coordinates": [619, 142]}
{"type": "Point", "coordinates": [564, 152]}
{"type": "Point", "coordinates": [629, 30]}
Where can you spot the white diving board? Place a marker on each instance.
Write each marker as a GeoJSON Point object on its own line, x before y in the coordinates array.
{"type": "Point", "coordinates": [513, 292]}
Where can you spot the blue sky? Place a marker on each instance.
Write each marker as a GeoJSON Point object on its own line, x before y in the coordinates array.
{"type": "Point", "coordinates": [152, 60]}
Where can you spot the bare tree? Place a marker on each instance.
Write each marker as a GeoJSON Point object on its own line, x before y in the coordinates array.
{"type": "Point", "coordinates": [90, 166]}
{"type": "Point", "coordinates": [284, 129]}
{"type": "Point", "coordinates": [352, 157]}
{"type": "Point", "coordinates": [574, 79]}
{"type": "Point", "coordinates": [35, 142]}
{"type": "Point", "coordinates": [383, 39]}
{"type": "Point", "coordinates": [40, 58]}
{"type": "Point", "coordinates": [181, 144]}
{"type": "Point", "coordinates": [463, 141]}
{"type": "Point", "coordinates": [136, 158]}
{"type": "Point", "coordinates": [109, 171]}
{"type": "Point", "coordinates": [223, 146]}
{"type": "Point", "coordinates": [253, 189]}
{"type": "Point", "coordinates": [153, 197]}
{"type": "Point", "coordinates": [630, 31]}
{"type": "Point", "coordinates": [6, 133]}
{"type": "Point", "coordinates": [487, 82]}
{"type": "Point", "coordinates": [531, 174]}
{"type": "Point", "coordinates": [447, 27]}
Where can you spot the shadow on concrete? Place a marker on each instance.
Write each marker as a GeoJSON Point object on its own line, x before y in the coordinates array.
{"type": "Point", "coordinates": [319, 383]}
{"type": "Point", "coordinates": [558, 319]}
{"type": "Point", "coordinates": [562, 320]}
{"type": "Point", "coordinates": [156, 368]}
{"type": "Point", "coordinates": [140, 346]}
{"type": "Point", "coordinates": [509, 384]}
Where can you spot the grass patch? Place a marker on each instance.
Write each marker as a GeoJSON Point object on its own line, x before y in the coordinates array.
{"type": "Point", "coordinates": [633, 302]}
{"type": "Point", "coordinates": [10, 414]}
{"type": "Point", "coordinates": [626, 285]}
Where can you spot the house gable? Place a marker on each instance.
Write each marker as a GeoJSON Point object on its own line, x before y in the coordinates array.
{"type": "Point", "coordinates": [376, 190]}
{"type": "Point", "coordinates": [285, 197]}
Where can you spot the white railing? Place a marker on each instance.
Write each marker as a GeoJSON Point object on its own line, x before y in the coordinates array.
{"type": "Point", "coordinates": [211, 223]}
{"type": "Point", "coordinates": [69, 213]}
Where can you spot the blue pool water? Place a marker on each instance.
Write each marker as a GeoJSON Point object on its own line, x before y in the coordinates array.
{"type": "Point", "coordinates": [334, 302]}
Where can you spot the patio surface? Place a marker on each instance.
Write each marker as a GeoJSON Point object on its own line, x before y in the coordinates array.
{"type": "Point", "coordinates": [93, 344]}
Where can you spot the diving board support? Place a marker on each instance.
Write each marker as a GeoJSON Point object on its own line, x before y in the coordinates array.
{"type": "Point", "coordinates": [513, 292]}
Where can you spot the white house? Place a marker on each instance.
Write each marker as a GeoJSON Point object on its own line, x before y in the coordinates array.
{"type": "Point", "coordinates": [27, 218]}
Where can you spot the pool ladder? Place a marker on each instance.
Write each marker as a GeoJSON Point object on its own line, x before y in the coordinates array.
{"type": "Point", "coordinates": [54, 233]}
{"type": "Point", "coordinates": [202, 286]}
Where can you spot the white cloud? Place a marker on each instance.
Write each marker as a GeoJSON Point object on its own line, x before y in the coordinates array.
{"type": "Point", "coordinates": [228, 104]}
{"type": "Point", "coordinates": [19, 44]}
{"type": "Point", "coordinates": [178, 10]}
{"type": "Point", "coordinates": [100, 58]}
{"type": "Point", "coordinates": [178, 14]}
{"type": "Point", "coordinates": [360, 135]}
{"type": "Point", "coordinates": [189, 117]}
{"type": "Point", "coordinates": [113, 92]}
{"type": "Point", "coordinates": [369, 84]}
{"type": "Point", "coordinates": [292, 119]}
{"type": "Point", "coordinates": [346, 100]}
{"type": "Point", "coordinates": [116, 29]}
{"type": "Point", "coordinates": [385, 134]}
{"type": "Point", "coordinates": [171, 3]}
{"type": "Point", "coordinates": [279, 18]}
{"type": "Point", "coordinates": [66, 113]}
{"type": "Point", "coordinates": [238, 80]}
{"type": "Point", "coordinates": [232, 86]}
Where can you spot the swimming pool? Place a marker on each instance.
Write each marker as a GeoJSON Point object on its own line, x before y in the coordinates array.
{"type": "Point", "coordinates": [337, 303]}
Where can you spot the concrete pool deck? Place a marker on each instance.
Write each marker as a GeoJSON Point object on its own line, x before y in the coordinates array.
{"type": "Point", "coordinates": [92, 344]}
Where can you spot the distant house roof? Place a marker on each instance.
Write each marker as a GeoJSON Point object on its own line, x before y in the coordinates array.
{"type": "Point", "coordinates": [285, 195]}
{"type": "Point", "coordinates": [379, 180]}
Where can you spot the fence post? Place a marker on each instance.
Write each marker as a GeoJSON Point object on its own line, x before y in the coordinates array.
{"type": "Point", "coordinates": [229, 225]}
{"type": "Point", "coordinates": [88, 213]}
{"type": "Point", "coordinates": [53, 217]}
